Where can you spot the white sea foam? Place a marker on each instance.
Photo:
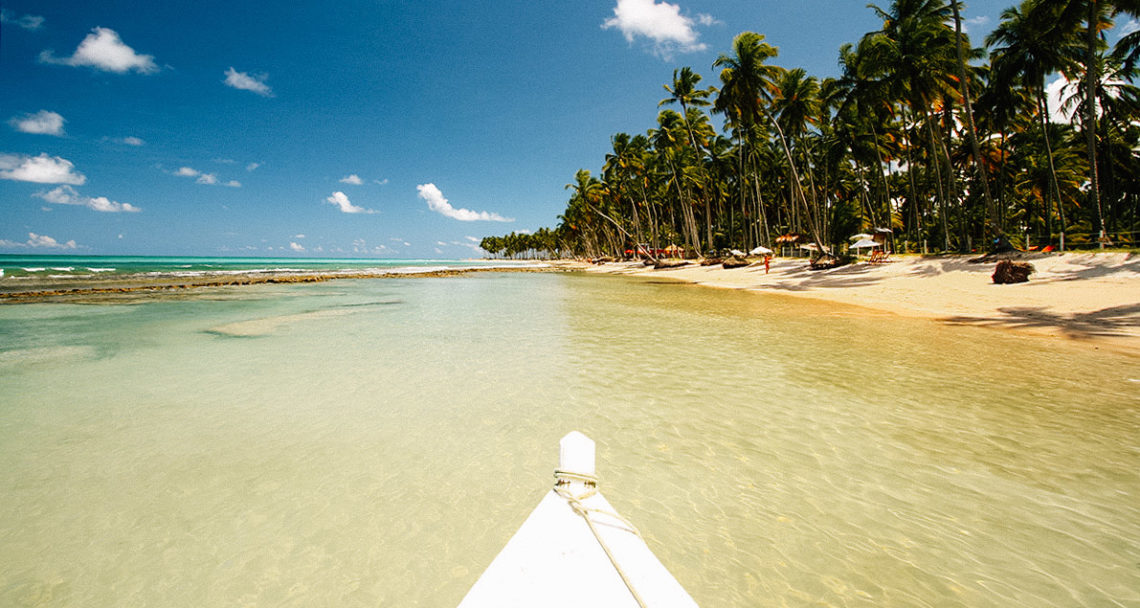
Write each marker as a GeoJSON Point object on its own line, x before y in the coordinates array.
{"type": "Point", "coordinates": [63, 268]}
{"type": "Point", "coordinates": [35, 269]}
{"type": "Point", "coordinates": [101, 269]}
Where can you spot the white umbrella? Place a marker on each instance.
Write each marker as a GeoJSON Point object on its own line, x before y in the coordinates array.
{"type": "Point", "coordinates": [865, 243]}
{"type": "Point", "coordinates": [760, 251]}
{"type": "Point", "coordinates": [859, 237]}
{"type": "Point", "coordinates": [737, 252]}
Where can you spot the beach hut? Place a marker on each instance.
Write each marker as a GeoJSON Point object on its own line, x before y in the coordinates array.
{"type": "Point", "coordinates": [575, 550]}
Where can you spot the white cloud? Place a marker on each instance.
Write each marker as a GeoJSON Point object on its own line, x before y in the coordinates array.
{"type": "Point", "coordinates": [663, 24]}
{"type": "Point", "coordinates": [28, 22]}
{"type": "Point", "coordinates": [42, 122]}
{"type": "Point", "coordinates": [66, 195]}
{"type": "Point", "coordinates": [40, 241]}
{"type": "Point", "coordinates": [296, 247]}
{"type": "Point", "coordinates": [103, 50]}
{"type": "Point", "coordinates": [361, 246]}
{"type": "Point", "coordinates": [353, 179]}
{"type": "Point", "coordinates": [979, 22]}
{"type": "Point", "coordinates": [42, 169]}
{"type": "Point", "coordinates": [473, 239]}
{"type": "Point", "coordinates": [298, 236]}
{"type": "Point", "coordinates": [131, 140]}
{"type": "Point", "coordinates": [252, 167]}
{"type": "Point", "coordinates": [381, 182]}
{"type": "Point", "coordinates": [209, 179]}
{"type": "Point", "coordinates": [245, 82]}
{"type": "Point", "coordinates": [340, 200]}
{"type": "Point", "coordinates": [437, 203]}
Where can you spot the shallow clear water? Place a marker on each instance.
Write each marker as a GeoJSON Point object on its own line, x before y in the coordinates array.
{"type": "Point", "coordinates": [363, 443]}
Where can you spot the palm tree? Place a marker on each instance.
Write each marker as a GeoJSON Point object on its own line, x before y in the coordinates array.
{"type": "Point", "coordinates": [993, 229]}
{"type": "Point", "coordinates": [914, 51]}
{"type": "Point", "coordinates": [1028, 45]}
{"type": "Point", "coordinates": [1093, 16]}
{"type": "Point", "coordinates": [747, 85]}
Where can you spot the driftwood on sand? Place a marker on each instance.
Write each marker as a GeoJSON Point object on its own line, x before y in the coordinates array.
{"type": "Point", "coordinates": [735, 262]}
{"type": "Point", "coordinates": [1008, 271]}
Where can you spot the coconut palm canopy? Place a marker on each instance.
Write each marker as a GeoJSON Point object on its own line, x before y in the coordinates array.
{"type": "Point", "coordinates": [927, 136]}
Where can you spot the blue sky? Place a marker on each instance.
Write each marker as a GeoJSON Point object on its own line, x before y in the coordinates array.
{"type": "Point", "coordinates": [357, 128]}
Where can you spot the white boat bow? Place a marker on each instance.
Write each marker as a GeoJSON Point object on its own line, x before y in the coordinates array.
{"type": "Point", "coordinates": [575, 550]}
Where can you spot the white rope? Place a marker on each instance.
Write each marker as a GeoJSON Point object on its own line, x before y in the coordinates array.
{"type": "Point", "coordinates": [575, 501]}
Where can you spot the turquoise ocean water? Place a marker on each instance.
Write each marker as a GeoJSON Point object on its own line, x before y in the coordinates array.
{"type": "Point", "coordinates": [31, 267]}
{"type": "Point", "coordinates": [377, 442]}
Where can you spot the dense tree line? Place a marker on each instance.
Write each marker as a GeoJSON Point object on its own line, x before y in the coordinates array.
{"type": "Point", "coordinates": [949, 145]}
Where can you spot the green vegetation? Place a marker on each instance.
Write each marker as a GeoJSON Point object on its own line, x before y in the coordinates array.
{"type": "Point", "coordinates": [947, 144]}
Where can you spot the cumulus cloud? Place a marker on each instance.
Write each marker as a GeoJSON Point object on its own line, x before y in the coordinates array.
{"type": "Point", "coordinates": [661, 23]}
{"type": "Point", "coordinates": [42, 169]}
{"type": "Point", "coordinates": [1129, 26]}
{"type": "Point", "coordinates": [102, 49]}
{"type": "Point", "coordinates": [42, 122]}
{"type": "Point", "coordinates": [980, 22]}
{"type": "Point", "coordinates": [353, 179]}
{"type": "Point", "coordinates": [340, 200]}
{"type": "Point", "coordinates": [437, 203]}
{"type": "Point", "coordinates": [381, 182]}
{"type": "Point", "coordinates": [41, 241]}
{"type": "Point", "coordinates": [246, 82]}
{"type": "Point", "coordinates": [66, 195]}
{"type": "Point", "coordinates": [28, 22]}
{"type": "Point", "coordinates": [252, 167]}
{"type": "Point", "coordinates": [296, 247]}
{"type": "Point", "coordinates": [361, 246]}
{"type": "Point", "coordinates": [131, 140]}
{"type": "Point", "coordinates": [208, 179]}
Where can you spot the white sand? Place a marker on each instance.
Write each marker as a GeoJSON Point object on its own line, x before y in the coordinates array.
{"type": "Point", "coordinates": [1087, 296]}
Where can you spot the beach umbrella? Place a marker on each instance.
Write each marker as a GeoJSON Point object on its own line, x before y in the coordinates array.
{"type": "Point", "coordinates": [736, 252]}
{"type": "Point", "coordinates": [865, 243]}
{"type": "Point", "coordinates": [760, 251]}
{"type": "Point", "coordinates": [859, 237]}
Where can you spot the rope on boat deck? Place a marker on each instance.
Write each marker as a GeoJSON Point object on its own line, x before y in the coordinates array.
{"type": "Point", "coordinates": [575, 501]}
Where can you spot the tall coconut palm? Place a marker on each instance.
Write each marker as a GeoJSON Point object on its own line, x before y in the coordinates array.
{"type": "Point", "coordinates": [915, 51]}
{"type": "Point", "coordinates": [1027, 46]}
{"type": "Point", "coordinates": [747, 85]}
{"type": "Point", "coordinates": [992, 225]}
{"type": "Point", "coordinates": [1092, 16]}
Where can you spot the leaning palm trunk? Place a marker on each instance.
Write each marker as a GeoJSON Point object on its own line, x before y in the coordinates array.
{"type": "Point", "coordinates": [1043, 111]}
{"type": "Point", "coordinates": [992, 230]}
{"type": "Point", "coordinates": [799, 189]}
{"type": "Point", "coordinates": [1092, 78]}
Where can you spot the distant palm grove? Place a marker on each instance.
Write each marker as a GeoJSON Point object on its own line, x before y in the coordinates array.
{"type": "Point", "coordinates": [948, 145]}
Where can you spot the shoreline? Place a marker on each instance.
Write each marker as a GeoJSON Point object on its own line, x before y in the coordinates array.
{"type": "Point", "coordinates": [1092, 298]}
{"type": "Point", "coordinates": [128, 285]}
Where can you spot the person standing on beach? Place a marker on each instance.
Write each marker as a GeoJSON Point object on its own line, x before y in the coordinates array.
{"type": "Point", "coordinates": [767, 260]}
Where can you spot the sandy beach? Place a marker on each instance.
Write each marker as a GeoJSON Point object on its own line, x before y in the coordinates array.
{"type": "Point", "coordinates": [1092, 297]}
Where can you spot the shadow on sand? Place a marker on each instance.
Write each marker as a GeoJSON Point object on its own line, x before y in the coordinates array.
{"type": "Point", "coordinates": [1107, 322]}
